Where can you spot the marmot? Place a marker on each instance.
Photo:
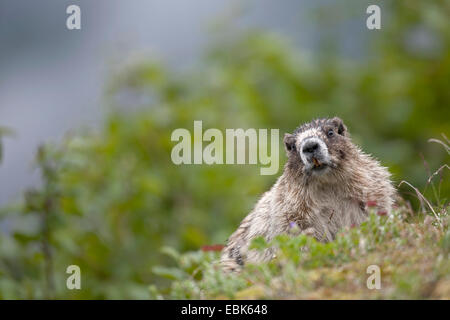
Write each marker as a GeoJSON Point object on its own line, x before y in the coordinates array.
{"type": "Point", "coordinates": [325, 186]}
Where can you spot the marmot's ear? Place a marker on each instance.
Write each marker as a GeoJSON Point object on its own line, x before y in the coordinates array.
{"type": "Point", "coordinates": [289, 142]}
{"type": "Point", "coordinates": [340, 126]}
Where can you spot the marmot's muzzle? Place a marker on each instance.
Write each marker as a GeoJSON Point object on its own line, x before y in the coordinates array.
{"type": "Point", "coordinates": [314, 153]}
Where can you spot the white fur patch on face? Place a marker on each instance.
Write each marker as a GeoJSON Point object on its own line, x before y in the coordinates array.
{"type": "Point", "coordinates": [314, 132]}
{"type": "Point", "coordinates": [323, 148]}
{"type": "Point", "coordinates": [311, 135]}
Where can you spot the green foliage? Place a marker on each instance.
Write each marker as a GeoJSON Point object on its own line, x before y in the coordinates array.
{"type": "Point", "coordinates": [111, 198]}
{"type": "Point", "coordinates": [413, 259]}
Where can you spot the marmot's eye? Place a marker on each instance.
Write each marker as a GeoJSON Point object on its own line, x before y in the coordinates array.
{"type": "Point", "coordinates": [330, 133]}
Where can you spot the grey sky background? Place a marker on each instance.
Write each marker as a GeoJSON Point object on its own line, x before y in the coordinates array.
{"type": "Point", "coordinates": [52, 79]}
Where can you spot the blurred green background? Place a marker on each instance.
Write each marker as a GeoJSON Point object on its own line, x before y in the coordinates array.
{"type": "Point", "coordinates": [111, 197]}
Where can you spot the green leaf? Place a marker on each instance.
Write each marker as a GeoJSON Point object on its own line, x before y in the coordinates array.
{"type": "Point", "coordinates": [169, 273]}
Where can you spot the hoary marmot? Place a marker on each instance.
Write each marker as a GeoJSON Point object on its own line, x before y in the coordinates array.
{"type": "Point", "coordinates": [326, 185]}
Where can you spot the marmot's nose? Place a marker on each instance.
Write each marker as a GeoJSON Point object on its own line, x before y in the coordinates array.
{"type": "Point", "coordinates": [310, 147]}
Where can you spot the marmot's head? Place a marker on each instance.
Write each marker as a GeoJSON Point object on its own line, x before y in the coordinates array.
{"type": "Point", "coordinates": [318, 147]}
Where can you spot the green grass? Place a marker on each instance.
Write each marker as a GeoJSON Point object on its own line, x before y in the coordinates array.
{"type": "Point", "coordinates": [411, 250]}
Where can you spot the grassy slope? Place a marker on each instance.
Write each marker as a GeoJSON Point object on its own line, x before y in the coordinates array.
{"type": "Point", "coordinates": [411, 250]}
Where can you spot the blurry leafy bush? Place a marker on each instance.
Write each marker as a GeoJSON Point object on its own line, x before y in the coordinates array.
{"type": "Point", "coordinates": [111, 198]}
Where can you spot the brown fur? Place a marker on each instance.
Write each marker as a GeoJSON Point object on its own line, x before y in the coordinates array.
{"type": "Point", "coordinates": [320, 204]}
